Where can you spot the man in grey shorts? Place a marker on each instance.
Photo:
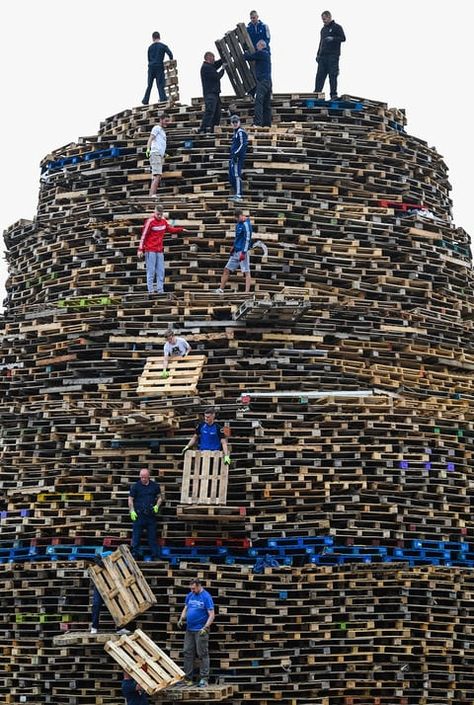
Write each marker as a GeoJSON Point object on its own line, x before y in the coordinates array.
{"type": "Point", "coordinates": [239, 254]}
{"type": "Point", "coordinates": [156, 150]}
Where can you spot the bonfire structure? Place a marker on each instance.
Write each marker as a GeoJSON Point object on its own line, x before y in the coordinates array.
{"type": "Point", "coordinates": [338, 543]}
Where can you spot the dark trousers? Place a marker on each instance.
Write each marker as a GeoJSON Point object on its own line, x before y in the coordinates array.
{"type": "Point", "coordinates": [235, 175]}
{"type": "Point", "coordinates": [263, 104]}
{"type": "Point", "coordinates": [327, 65]}
{"type": "Point", "coordinates": [212, 112]}
{"type": "Point", "coordinates": [97, 604]}
{"type": "Point", "coordinates": [147, 522]}
{"type": "Point", "coordinates": [196, 645]}
{"type": "Point", "coordinates": [155, 73]}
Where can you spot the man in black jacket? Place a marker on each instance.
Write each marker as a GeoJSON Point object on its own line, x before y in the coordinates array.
{"type": "Point", "coordinates": [328, 54]}
{"type": "Point", "coordinates": [211, 88]}
{"type": "Point", "coordinates": [156, 70]}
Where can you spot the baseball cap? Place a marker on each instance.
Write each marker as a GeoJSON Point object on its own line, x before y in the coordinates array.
{"type": "Point", "coordinates": [234, 118]}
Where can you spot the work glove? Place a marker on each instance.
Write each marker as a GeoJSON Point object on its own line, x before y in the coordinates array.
{"type": "Point", "coordinates": [165, 374]}
{"type": "Point", "coordinates": [148, 152]}
{"type": "Point", "coordinates": [133, 515]}
{"type": "Point", "coordinates": [180, 623]}
{"type": "Point", "coordinates": [156, 508]}
{"type": "Point", "coordinates": [226, 459]}
{"type": "Point", "coordinates": [242, 256]}
{"type": "Point", "coordinates": [204, 631]}
{"type": "Point", "coordinates": [184, 450]}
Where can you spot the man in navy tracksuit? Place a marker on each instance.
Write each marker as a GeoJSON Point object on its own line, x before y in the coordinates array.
{"type": "Point", "coordinates": [263, 75]}
{"type": "Point", "coordinates": [258, 30]}
{"type": "Point", "coordinates": [239, 254]}
{"type": "Point", "coordinates": [209, 436]}
{"type": "Point", "coordinates": [156, 70]}
{"type": "Point", "coordinates": [238, 150]}
{"type": "Point", "coordinates": [332, 35]}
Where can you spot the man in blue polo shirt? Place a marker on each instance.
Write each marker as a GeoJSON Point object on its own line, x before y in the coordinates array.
{"type": "Point", "coordinates": [209, 436]}
{"type": "Point", "coordinates": [198, 613]}
{"type": "Point", "coordinates": [144, 503]}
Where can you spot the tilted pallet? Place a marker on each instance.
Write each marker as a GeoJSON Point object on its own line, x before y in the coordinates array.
{"type": "Point", "coordinates": [231, 49]}
{"type": "Point", "coordinates": [122, 586]}
{"type": "Point", "coordinates": [184, 375]}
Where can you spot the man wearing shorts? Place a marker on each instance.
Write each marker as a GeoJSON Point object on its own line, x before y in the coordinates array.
{"type": "Point", "coordinates": [239, 254]}
{"type": "Point", "coordinates": [156, 150]}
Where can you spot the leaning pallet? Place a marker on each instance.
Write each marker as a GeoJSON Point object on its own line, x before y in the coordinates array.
{"type": "Point", "coordinates": [184, 375]}
{"type": "Point", "coordinates": [142, 659]}
{"type": "Point", "coordinates": [122, 586]}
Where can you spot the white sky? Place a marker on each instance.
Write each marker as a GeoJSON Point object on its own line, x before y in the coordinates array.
{"type": "Point", "coordinates": [68, 64]}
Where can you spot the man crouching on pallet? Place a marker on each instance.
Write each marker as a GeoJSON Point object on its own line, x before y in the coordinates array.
{"type": "Point", "coordinates": [198, 613]}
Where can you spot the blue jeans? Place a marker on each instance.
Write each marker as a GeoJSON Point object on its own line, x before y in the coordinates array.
{"type": "Point", "coordinates": [155, 269]}
{"type": "Point", "coordinates": [149, 523]}
{"type": "Point", "coordinates": [157, 73]}
{"type": "Point", "coordinates": [235, 175]}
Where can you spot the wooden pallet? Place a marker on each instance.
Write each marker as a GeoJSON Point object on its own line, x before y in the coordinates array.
{"type": "Point", "coordinates": [205, 478]}
{"type": "Point", "coordinates": [185, 373]}
{"type": "Point", "coordinates": [231, 49]}
{"type": "Point", "coordinates": [142, 659]}
{"type": "Point", "coordinates": [83, 638]}
{"type": "Point", "coordinates": [203, 512]}
{"type": "Point", "coordinates": [122, 586]}
{"type": "Point", "coordinates": [171, 80]}
{"type": "Point", "coordinates": [194, 694]}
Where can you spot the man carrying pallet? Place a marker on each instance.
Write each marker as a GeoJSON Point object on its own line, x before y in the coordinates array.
{"type": "Point", "coordinates": [198, 614]}
{"type": "Point", "coordinates": [209, 436]}
{"type": "Point", "coordinates": [328, 54]}
{"type": "Point", "coordinates": [156, 70]}
{"type": "Point", "coordinates": [132, 692]}
{"type": "Point", "coordinates": [239, 254]}
{"type": "Point", "coordinates": [263, 91]}
{"type": "Point", "coordinates": [238, 151]}
{"type": "Point", "coordinates": [144, 503]}
{"type": "Point", "coordinates": [152, 244]}
{"type": "Point", "coordinates": [156, 151]}
{"type": "Point", "coordinates": [174, 347]}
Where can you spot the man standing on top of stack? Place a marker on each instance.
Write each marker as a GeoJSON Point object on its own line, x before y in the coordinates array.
{"type": "Point", "coordinates": [239, 254]}
{"type": "Point", "coordinates": [156, 151]}
{"type": "Point", "coordinates": [332, 35]}
{"type": "Point", "coordinates": [152, 244]}
{"type": "Point", "coordinates": [198, 614]}
{"type": "Point", "coordinates": [211, 89]}
{"type": "Point", "coordinates": [263, 91]}
{"type": "Point", "coordinates": [238, 150]}
{"type": "Point", "coordinates": [209, 436]}
{"type": "Point", "coordinates": [174, 347]}
{"type": "Point", "coordinates": [258, 30]}
{"type": "Point", "coordinates": [156, 70]}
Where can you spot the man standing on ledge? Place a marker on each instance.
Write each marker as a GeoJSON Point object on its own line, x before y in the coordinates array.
{"type": "Point", "coordinates": [144, 503]}
{"type": "Point", "coordinates": [156, 70]}
{"type": "Point", "coordinates": [211, 88]}
{"type": "Point", "coordinates": [239, 254]}
{"type": "Point", "coordinates": [332, 35]}
{"type": "Point", "coordinates": [156, 151]}
{"type": "Point", "coordinates": [258, 30]}
{"type": "Point", "coordinates": [238, 150]}
{"type": "Point", "coordinates": [198, 613]}
{"type": "Point", "coordinates": [263, 92]}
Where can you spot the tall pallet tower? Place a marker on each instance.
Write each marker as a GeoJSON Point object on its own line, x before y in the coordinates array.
{"type": "Point", "coordinates": [341, 561]}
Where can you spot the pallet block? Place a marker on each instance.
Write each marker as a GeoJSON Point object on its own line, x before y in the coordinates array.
{"type": "Point", "coordinates": [185, 373]}
{"type": "Point", "coordinates": [212, 693]}
{"type": "Point", "coordinates": [231, 49]}
{"type": "Point", "coordinates": [142, 659]}
{"type": "Point", "coordinates": [122, 586]}
{"type": "Point", "coordinates": [205, 478]}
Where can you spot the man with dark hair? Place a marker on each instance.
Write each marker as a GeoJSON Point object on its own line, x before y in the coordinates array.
{"type": "Point", "coordinates": [156, 70]}
{"type": "Point", "coordinates": [263, 91]}
{"type": "Point", "coordinates": [132, 692]}
{"type": "Point", "coordinates": [198, 613]}
{"type": "Point", "coordinates": [144, 504]}
{"type": "Point", "coordinates": [209, 436]}
{"type": "Point", "coordinates": [156, 151]}
{"type": "Point", "coordinates": [238, 150]}
{"type": "Point", "coordinates": [258, 30]}
{"type": "Point", "coordinates": [239, 254]}
{"type": "Point", "coordinates": [211, 88]}
{"type": "Point", "coordinates": [332, 35]}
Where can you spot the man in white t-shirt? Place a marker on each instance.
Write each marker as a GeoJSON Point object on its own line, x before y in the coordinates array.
{"type": "Point", "coordinates": [156, 151]}
{"type": "Point", "coordinates": [174, 347]}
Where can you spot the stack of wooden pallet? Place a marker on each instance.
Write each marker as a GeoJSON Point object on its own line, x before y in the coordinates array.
{"type": "Point", "coordinates": [345, 382]}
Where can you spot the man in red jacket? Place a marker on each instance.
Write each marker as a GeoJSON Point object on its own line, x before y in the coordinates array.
{"type": "Point", "coordinates": [151, 243]}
